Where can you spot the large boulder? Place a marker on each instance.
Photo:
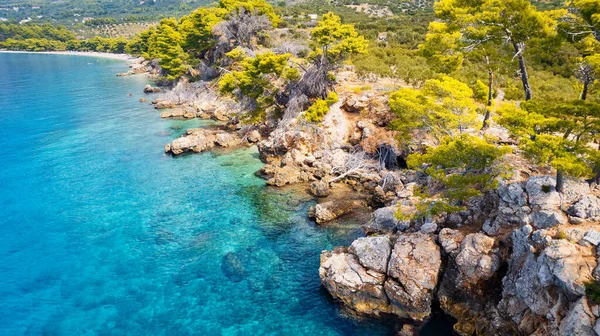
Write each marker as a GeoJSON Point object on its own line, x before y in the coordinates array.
{"type": "Point", "coordinates": [476, 260]}
{"type": "Point", "coordinates": [545, 202]}
{"type": "Point", "coordinates": [320, 189]}
{"type": "Point", "coordinates": [184, 112]}
{"type": "Point", "coordinates": [196, 142]}
{"type": "Point", "coordinates": [450, 240]}
{"type": "Point", "coordinates": [540, 284]}
{"type": "Point", "coordinates": [164, 104]}
{"type": "Point", "coordinates": [359, 288]}
{"type": "Point", "coordinates": [384, 220]}
{"type": "Point", "coordinates": [373, 278]}
{"type": "Point", "coordinates": [579, 321]}
{"type": "Point", "coordinates": [331, 210]}
{"type": "Point", "coordinates": [226, 140]}
{"type": "Point", "coordinates": [372, 252]}
{"type": "Point", "coordinates": [413, 272]}
{"type": "Point", "coordinates": [586, 207]}
{"type": "Point", "coordinates": [513, 209]}
{"type": "Point", "coordinates": [150, 89]}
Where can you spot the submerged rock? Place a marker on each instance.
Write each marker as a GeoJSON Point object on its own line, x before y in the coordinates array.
{"type": "Point", "coordinates": [232, 267]}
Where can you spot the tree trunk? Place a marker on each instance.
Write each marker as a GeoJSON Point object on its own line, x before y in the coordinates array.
{"type": "Point", "coordinates": [560, 183]}
{"type": "Point", "coordinates": [519, 49]}
{"type": "Point", "coordinates": [488, 109]}
{"type": "Point", "coordinates": [586, 84]}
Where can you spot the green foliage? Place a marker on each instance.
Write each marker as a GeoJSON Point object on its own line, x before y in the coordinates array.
{"type": "Point", "coordinates": [443, 107]}
{"type": "Point", "coordinates": [555, 134]}
{"type": "Point", "coordinates": [592, 291]}
{"type": "Point", "coordinates": [320, 107]}
{"type": "Point", "coordinates": [100, 21]}
{"type": "Point", "coordinates": [335, 41]}
{"type": "Point", "coordinates": [441, 48]}
{"type": "Point", "coordinates": [33, 44]}
{"type": "Point", "coordinates": [562, 154]}
{"type": "Point", "coordinates": [37, 32]}
{"type": "Point", "coordinates": [165, 44]}
{"type": "Point", "coordinates": [139, 45]}
{"type": "Point", "coordinates": [251, 6]}
{"type": "Point", "coordinates": [395, 62]}
{"type": "Point", "coordinates": [255, 80]}
{"type": "Point", "coordinates": [197, 28]}
{"type": "Point", "coordinates": [465, 165]}
{"type": "Point", "coordinates": [480, 92]}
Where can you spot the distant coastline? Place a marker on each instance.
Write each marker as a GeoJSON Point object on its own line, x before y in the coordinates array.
{"type": "Point", "coordinates": [123, 57]}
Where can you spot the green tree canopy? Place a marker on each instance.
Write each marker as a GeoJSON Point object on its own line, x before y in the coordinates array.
{"type": "Point", "coordinates": [443, 107]}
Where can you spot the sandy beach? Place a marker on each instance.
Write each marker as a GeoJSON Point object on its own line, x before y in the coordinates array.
{"type": "Point", "coordinates": [123, 57]}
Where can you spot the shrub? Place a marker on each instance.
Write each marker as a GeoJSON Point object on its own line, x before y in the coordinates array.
{"type": "Point", "coordinates": [320, 107]}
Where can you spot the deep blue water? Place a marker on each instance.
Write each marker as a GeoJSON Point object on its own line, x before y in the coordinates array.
{"type": "Point", "coordinates": [101, 233]}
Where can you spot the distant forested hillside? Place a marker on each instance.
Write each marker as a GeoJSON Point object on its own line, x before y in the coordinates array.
{"type": "Point", "coordinates": [76, 10]}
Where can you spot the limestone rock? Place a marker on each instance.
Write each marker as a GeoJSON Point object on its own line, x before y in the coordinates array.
{"type": "Point", "coordinates": [372, 252]}
{"type": "Point", "coordinates": [579, 321]}
{"type": "Point", "coordinates": [356, 286]}
{"type": "Point", "coordinates": [331, 210]}
{"type": "Point", "coordinates": [513, 209]}
{"type": "Point", "coordinates": [320, 189]}
{"type": "Point", "coordinates": [150, 89]}
{"type": "Point", "coordinates": [413, 269]}
{"type": "Point", "coordinates": [254, 136]}
{"type": "Point", "coordinates": [226, 140]}
{"type": "Point", "coordinates": [450, 240]}
{"type": "Point", "coordinates": [184, 112]}
{"type": "Point", "coordinates": [587, 207]}
{"type": "Point", "coordinates": [164, 104]}
{"type": "Point", "coordinates": [565, 265]}
{"type": "Point", "coordinates": [545, 202]}
{"type": "Point", "coordinates": [476, 260]}
{"type": "Point", "coordinates": [428, 227]}
{"type": "Point", "coordinates": [384, 220]}
{"type": "Point", "coordinates": [196, 142]}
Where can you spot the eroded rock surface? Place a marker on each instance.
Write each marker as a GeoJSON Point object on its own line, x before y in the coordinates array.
{"type": "Point", "coordinates": [404, 286]}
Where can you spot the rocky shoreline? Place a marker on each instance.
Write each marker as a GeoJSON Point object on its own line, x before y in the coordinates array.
{"type": "Point", "coordinates": [516, 260]}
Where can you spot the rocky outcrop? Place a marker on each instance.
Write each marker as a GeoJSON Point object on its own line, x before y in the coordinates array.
{"type": "Point", "coordinates": [200, 140]}
{"type": "Point", "coordinates": [164, 104]}
{"type": "Point", "coordinates": [579, 320]}
{"type": "Point", "coordinates": [151, 89]}
{"type": "Point", "coordinates": [328, 211]}
{"type": "Point", "coordinates": [355, 286]}
{"type": "Point", "coordinates": [534, 202]}
{"type": "Point", "coordinates": [587, 207]}
{"type": "Point", "coordinates": [372, 277]}
{"type": "Point", "coordinates": [320, 189]}
{"type": "Point", "coordinates": [523, 271]}
{"type": "Point", "coordinates": [542, 280]}
{"type": "Point", "coordinates": [469, 278]}
{"type": "Point", "coordinates": [384, 220]}
{"type": "Point", "coordinates": [183, 112]}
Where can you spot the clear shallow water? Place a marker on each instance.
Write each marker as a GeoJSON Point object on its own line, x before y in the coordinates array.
{"type": "Point", "coordinates": [101, 233]}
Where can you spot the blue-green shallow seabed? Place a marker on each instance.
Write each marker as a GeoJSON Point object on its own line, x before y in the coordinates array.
{"type": "Point", "coordinates": [101, 233]}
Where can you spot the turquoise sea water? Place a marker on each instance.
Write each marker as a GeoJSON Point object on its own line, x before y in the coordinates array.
{"type": "Point", "coordinates": [101, 233]}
